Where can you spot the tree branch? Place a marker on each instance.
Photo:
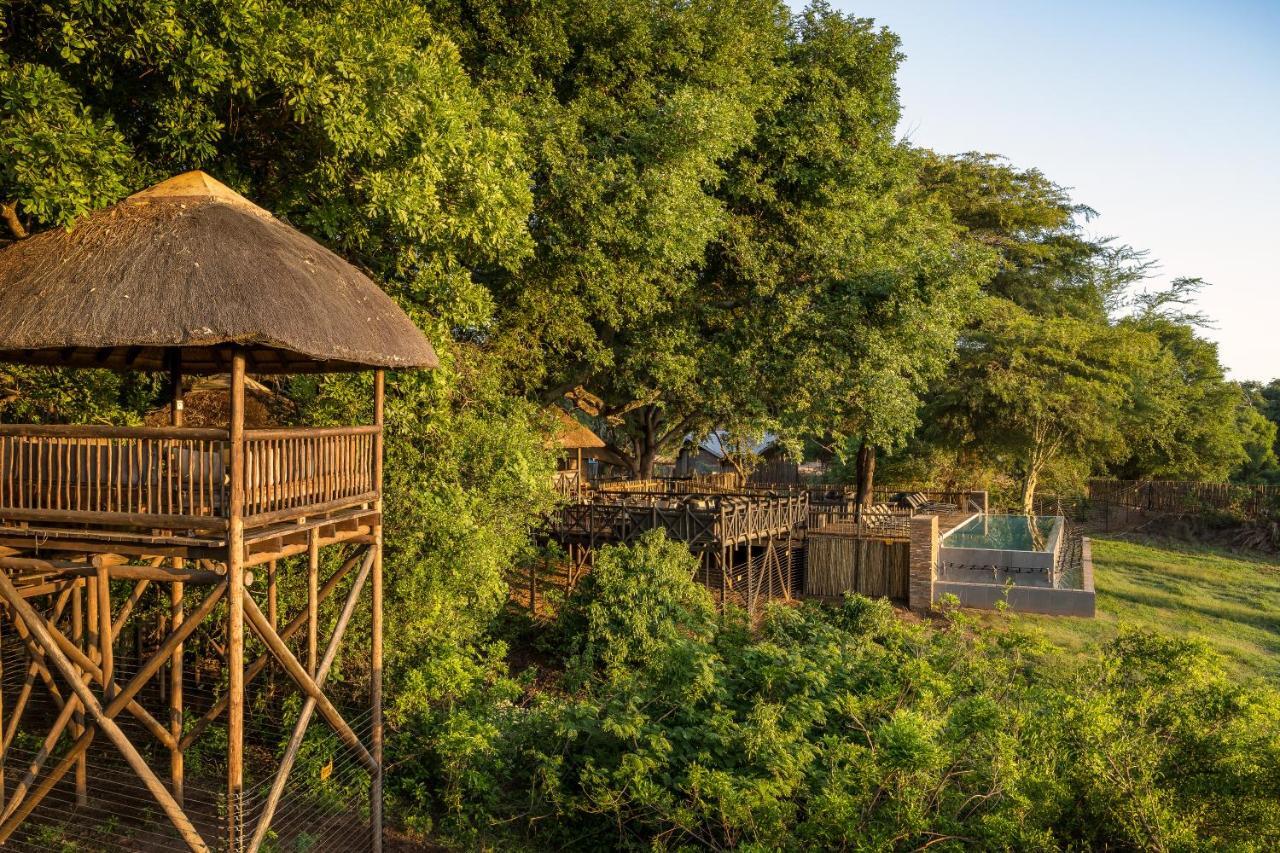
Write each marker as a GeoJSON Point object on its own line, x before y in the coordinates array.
{"type": "Point", "coordinates": [9, 210]}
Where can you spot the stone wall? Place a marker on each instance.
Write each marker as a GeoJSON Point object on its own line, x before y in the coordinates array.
{"type": "Point", "coordinates": [924, 561]}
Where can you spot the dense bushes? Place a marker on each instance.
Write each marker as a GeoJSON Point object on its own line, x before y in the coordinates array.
{"type": "Point", "coordinates": [845, 727]}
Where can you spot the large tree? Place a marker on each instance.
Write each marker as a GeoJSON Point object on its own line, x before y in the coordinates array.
{"type": "Point", "coordinates": [726, 231]}
{"type": "Point", "coordinates": [1183, 419]}
{"type": "Point", "coordinates": [1062, 367]}
{"type": "Point", "coordinates": [1258, 421]}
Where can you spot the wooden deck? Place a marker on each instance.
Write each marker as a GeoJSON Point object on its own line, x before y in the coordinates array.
{"type": "Point", "coordinates": [701, 521]}
{"type": "Point", "coordinates": [148, 490]}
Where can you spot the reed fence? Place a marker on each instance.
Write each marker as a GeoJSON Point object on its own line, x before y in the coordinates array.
{"type": "Point", "coordinates": [1188, 497]}
{"type": "Point", "coordinates": [836, 564]}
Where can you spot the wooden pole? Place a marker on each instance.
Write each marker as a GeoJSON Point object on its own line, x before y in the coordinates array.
{"type": "Point", "coordinates": [3, 752]}
{"type": "Point", "coordinates": [106, 638]}
{"type": "Point", "coordinates": [375, 674]}
{"type": "Point", "coordinates": [273, 611]}
{"type": "Point", "coordinates": [313, 600]}
{"type": "Point", "coordinates": [235, 611]}
{"type": "Point", "coordinates": [177, 589]}
{"type": "Point", "coordinates": [77, 637]}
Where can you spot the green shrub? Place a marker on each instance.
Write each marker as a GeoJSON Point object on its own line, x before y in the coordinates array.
{"type": "Point", "coordinates": [847, 727]}
{"type": "Point", "coordinates": [637, 604]}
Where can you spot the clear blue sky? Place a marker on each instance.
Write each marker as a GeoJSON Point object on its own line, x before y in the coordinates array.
{"type": "Point", "coordinates": [1164, 117]}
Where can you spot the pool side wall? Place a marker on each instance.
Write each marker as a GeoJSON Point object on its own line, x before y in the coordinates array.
{"type": "Point", "coordinates": [1027, 599]}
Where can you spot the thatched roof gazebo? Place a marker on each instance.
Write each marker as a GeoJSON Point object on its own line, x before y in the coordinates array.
{"type": "Point", "coordinates": [573, 437]}
{"type": "Point", "coordinates": [189, 264]}
{"type": "Point", "coordinates": [189, 277]}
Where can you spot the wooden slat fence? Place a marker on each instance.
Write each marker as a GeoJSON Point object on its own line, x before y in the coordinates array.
{"type": "Point", "coordinates": [1176, 496]}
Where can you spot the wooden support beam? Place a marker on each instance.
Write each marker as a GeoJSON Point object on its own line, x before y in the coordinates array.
{"type": "Point", "coordinates": [375, 645]}
{"type": "Point", "coordinates": [308, 709]}
{"type": "Point", "coordinates": [313, 602]}
{"type": "Point", "coordinates": [273, 612]}
{"type": "Point", "coordinates": [177, 773]}
{"type": "Point", "coordinates": [107, 726]}
{"type": "Point", "coordinates": [255, 669]}
{"type": "Point", "coordinates": [122, 699]}
{"type": "Point", "coordinates": [236, 602]}
{"type": "Point", "coordinates": [106, 634]}
{"type": "Point", "coordinates": [300, 677]}
{"type": "Point", "coordinates": [78, 638]}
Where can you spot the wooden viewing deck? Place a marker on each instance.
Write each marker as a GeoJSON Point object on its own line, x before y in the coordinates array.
{"type": "Point", "coordinates": [125, 587]}
{"type": "Point", "coordinates": [167, 490]}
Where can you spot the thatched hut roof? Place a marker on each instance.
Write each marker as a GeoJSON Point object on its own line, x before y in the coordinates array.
{"type": "Point", "coordinates": [189, 264]}
{"type": "Point", "coordinates": [573, 435]}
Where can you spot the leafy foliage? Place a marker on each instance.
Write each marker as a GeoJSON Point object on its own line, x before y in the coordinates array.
{"type": "Point", "coordinates": [849, 727]}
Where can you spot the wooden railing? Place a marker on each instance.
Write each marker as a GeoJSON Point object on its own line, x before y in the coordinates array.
{"type": "Point", "coordinates": [162, 477]}
{"type": "Point", "coordinates": [570, 484]}
{"type": "Point", "coordinates": [287, 471]}
{"type": "Point", "coordinates": [696, 520]}
{"type": "Point", "coordinates": [178, 478]}
{"type": "Point", "coordinates": [879, 522]}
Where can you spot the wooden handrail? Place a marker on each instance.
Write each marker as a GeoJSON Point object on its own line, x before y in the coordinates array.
{"type": "Point", "coordinates": [309, 432]}
{"type": "Point", "coordinates": [108, 431]}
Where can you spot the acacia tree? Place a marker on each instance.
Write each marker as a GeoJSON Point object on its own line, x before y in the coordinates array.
{"type": "Point", "coordinates": [1033, 390]}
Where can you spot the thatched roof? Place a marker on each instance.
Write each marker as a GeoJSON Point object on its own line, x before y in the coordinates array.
{"type": "Point", "coordinates": [191, 264]}
{"type": "Point", "coordinates": [573, 435]}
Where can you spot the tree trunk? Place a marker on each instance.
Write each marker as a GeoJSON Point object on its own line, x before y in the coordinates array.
{"type": "Point", "coordinates": [1029, 489]}
{"type": "Point", "coordinates": [866, 474]}
{"type": "Point", "coordinates": [648, 442]}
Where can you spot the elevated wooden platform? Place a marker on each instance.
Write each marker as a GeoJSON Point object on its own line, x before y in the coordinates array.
{"type": "Point", "coordinates": [147, 491]}
{"type": "Point", "coordinates": [701, 521]}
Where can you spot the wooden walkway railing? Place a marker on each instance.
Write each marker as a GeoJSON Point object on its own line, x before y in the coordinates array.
{"type": "Point", "coordinates": [713, 520]}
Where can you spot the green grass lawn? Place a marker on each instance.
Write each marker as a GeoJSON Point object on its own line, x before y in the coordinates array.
{"type": "Point", "coordinates": [1231, 602]}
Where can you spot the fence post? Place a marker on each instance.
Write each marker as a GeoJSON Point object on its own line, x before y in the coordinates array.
{"type": "Point", "coordinates": [923, 562]}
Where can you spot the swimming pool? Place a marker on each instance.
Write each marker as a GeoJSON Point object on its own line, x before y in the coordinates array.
{"type": "Point", "coordinates": [1003, 532]}
{"type": "Point", "coordinates": [996, 560]}
{"type": "Point", "coordinates": [997, 548]}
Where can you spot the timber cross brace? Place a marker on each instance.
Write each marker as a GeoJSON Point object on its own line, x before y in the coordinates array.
{"type": "Point", "coordinates": [44, 602]}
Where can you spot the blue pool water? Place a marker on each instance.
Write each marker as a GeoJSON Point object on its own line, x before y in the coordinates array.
{"type": "Point", "coordinates": [1002, 532]}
